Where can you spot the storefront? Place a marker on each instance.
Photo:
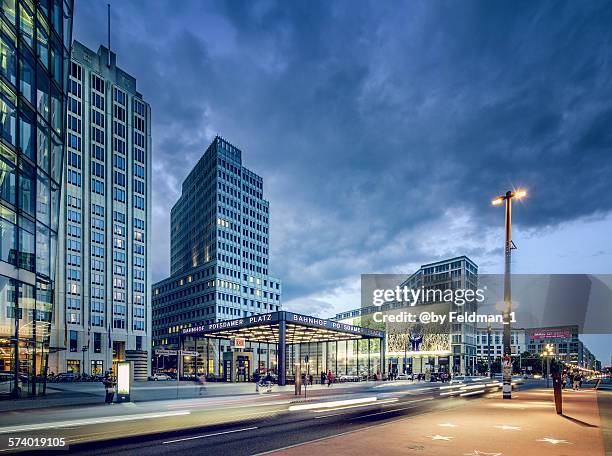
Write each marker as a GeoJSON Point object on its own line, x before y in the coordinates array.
{"type": "Point", "coordinates": [25, 322]}
{"type": "Point", "coordinates": [236, 350]}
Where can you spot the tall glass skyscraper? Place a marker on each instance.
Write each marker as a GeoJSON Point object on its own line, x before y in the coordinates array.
{"type": "Point", "coordinates": [34, 57]}
{"type": "Point", "coordinates": [219, 249]}
{"type": "Point", "coordinates": [103, 291]}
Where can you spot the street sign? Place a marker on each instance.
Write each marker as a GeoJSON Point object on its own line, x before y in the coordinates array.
{"type": "Point", "coordinates": [189, 353]}
{"type": "Point", "coordinates": [238, 342]}
{"type": "Point", "coordinates": [164, 352]}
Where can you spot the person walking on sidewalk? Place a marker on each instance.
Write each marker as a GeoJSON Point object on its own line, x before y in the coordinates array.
{"type": "Point", "coordinates": [109, 388]}
{"type": "Point", "coordinates": [330, 378]}
{"type": "Point", "coordinates": [576, 381]}
{"type": "Point", "coordinates": [202, 383]}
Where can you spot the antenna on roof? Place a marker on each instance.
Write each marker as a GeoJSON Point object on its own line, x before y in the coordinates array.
{"type": "Point", "coordinates": [108, 62]}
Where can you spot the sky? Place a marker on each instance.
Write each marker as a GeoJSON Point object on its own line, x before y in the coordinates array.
{"type": "Point", "coordinates": [382, 130]}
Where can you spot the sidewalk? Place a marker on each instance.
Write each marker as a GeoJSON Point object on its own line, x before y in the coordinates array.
{"type": "Point", "coordinates": [604, 399]}
{"type": "Point", "coordinates": [526, 425]}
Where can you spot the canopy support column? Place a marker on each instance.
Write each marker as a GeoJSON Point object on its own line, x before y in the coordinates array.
{"type": "Point", "coordinates": [282, 370]}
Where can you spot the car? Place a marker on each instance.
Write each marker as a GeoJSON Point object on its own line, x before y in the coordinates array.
{"type": "Point", "coordinates": [7, 384]}
{"type": "Point", "coordinates": [348, 378]}
{"type": "Point", "coordinates": [65, 377]}
{"type": "Point", "coordinates": [403, 377]}
{"type": "Point", "coordinates": [435, 377]}
{"type": "Point", "coordinates": [160, 376]}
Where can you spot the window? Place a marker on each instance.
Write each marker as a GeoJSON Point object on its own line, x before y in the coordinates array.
{"type": "Point", "coordinates": [73, 366]}
{"type": "Point", "coordinates": [139, 202]}
{"type": "Point", "coordinates": [96, 367]}
{"type": "Point", "coordinates": [97, 186]}
{"type": "Point", "coordinates": [26, 73]}
{"type": "Point", "coordinates": [139, 171]}
{"type": "Point", "coordinates": [119, 194]}
{"type": "Point", "coordinates": [74, 341]}
{"type": "Point", "coordinates": [97, 342]}
{"type": "Point", "coordinates": [8, 120]}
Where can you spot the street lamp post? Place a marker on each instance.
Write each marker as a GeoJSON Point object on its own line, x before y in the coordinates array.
{"type": "Point", "coordinates": [508, 247]}
{"type": "Point", "coordinates": [489, 350]}
{"type": "Point", "coordinates": [548, 352]}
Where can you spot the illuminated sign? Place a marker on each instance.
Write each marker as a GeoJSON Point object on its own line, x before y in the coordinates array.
{"type": "Point", "coordinates": [276, 317]}
{"type": "Point", "coordinates": [551, 333]}
{"type": "Point", "coordinates": [239, 342]}
{"type": "Point", "coordinates": [124, 375]}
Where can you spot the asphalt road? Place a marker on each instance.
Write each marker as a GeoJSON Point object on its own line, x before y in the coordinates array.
{"type": "Point", "coordinates": [278, 430]}
{"type": "Point", "coordinates": [239, 425]}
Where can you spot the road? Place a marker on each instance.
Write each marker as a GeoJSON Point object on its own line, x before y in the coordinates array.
{"type": "Point", "coordinates": [240, 425]}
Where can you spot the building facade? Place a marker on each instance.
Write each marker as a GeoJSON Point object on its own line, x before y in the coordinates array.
{"type": "Point", "coordinates": [455, 350]}
{"type": "Point", "coordinates": [219, 251]}
{"type": "Point", "coordinates": [103, 294]}
{"type": "Point", "coordinates": [34, 56]}
{"type": "Point", "coordinates": [492, 339]}
{"type": "Point", "coordinates": [565, 342]}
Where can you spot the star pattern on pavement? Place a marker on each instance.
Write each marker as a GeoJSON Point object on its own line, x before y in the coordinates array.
{"type": "Point", "coordinates": [449, 425]}
{"type": "Point", "coordinates": [481, 453]}
{"type": "Point", "coordinates": [440, 437]}
{"type": "Point", "coordinates": [553, 441]}
{"type": "Point", "coordinates": [506, 427]}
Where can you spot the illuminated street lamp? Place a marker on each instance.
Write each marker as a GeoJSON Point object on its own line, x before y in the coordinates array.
{"type": "Point", "coordinates": [508, 247]}
{"type": "Point", "coordinates": [548, 352]}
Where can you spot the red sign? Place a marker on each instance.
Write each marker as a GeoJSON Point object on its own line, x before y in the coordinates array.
{"type": "Point", "coordinates": [238, 342]}
{"type": "Point", "coordinates": [551, 334]}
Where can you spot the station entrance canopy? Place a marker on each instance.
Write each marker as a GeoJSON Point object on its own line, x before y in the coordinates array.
{"type": "Point", "coordinates": [282, 329]}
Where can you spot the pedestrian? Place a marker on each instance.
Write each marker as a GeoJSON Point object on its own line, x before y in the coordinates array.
{"type": "Point", "coordinates": [564, 380]}
{"type": "Point", "coordinates": [268, 382]}
{"type": "Point", "coordinates": [330, 378]}
{"type": "Point", "coordinates": [109, 388]}
{"type": "Point", "coordinates": [310, 379]}
{"type": "Point", "coordinates": [202, 383]}
{"type": "Point", "coordinates": [580, 377]}
{"type": "Point", "coordinates": [323, 376]}
{"type": "Point", "coordinates": [576, 381]}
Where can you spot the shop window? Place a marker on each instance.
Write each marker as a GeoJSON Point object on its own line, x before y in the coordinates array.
{"type": "Point", "coordinates": [96, 366]}
{"type": "Point", "coordinates": [73, 366]}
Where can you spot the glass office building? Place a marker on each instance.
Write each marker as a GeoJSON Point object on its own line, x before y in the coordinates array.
{"type": "Point", "coordinates": [219, 249]}
{"type": "Point", "coordinates": [451, 350]}
{"type": "Point", "coordinates": [103, 301]}
{"type": "Point", "coordinates": [34, 57]}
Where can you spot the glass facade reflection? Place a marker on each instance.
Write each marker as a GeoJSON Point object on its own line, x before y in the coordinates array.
{"type": "Point", "coordinates": [34, 57]}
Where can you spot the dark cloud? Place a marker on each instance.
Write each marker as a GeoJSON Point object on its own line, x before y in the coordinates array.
{"type": "Point", "coordinates": [381, 129]}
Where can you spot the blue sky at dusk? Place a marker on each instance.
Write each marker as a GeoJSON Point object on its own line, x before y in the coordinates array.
{"type": "Point", "coordinates": [383, 129]}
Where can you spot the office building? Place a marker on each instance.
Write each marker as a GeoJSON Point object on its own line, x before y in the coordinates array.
{"type": "Point", "coordinates": [103, 293]}
{"type": "Point", "coordinates": [34, 56]}
{"type": "Point", "coordinates": [219, 250]}
{"type": "Point", "coordinates": [518, 342]}
{"type": "Point", "coordinates": [455, 350]}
